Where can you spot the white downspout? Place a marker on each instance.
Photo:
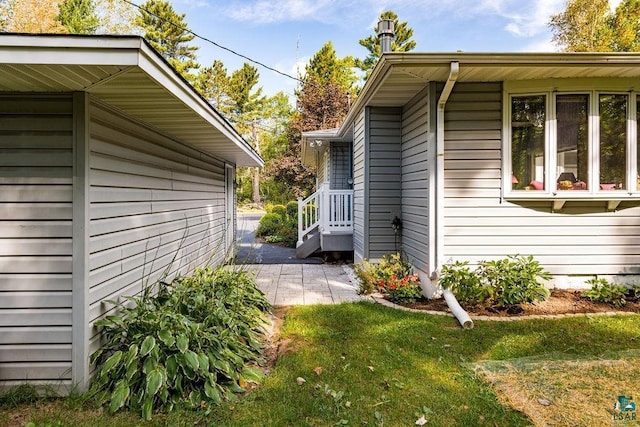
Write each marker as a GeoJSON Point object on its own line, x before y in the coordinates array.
{"type": "Point", "coordinates": [454, 306]}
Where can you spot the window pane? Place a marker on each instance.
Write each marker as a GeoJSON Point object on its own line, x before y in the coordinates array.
{"type": "Point", "coordinates": [613, 142]}
{"type": "Point", "coordinates": [528, 118]}
{"type": "Point", "coordinates": [572, 113]}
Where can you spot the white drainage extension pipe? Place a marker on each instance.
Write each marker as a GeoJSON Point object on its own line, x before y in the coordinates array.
{"type": "Point", "coordinates": [456, 310]}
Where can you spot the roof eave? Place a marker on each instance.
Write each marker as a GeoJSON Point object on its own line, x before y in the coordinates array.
{"type": "Point", "coordinates": [127, 54]}
{"type": "Point", "coordinates": [468, 60]}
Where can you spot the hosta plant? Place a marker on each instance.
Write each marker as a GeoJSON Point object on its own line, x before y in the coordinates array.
{"type": "Point", "coordinates": [604, 291]}
{"type": "Point", "coordinates": [194, 343]}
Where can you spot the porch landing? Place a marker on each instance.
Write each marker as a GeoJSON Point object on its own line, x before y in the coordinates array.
{"type": "Point", "coordinates": [305, 284]}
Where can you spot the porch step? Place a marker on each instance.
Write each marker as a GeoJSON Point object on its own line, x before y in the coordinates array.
{"type": "Point", "coordinates": [309, 246]}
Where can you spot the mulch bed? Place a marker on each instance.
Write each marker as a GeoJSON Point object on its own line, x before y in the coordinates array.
{"type": "Point", "coordinates": [561, 301]}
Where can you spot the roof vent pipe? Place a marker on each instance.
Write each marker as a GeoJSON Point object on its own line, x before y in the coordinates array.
{"type": "Point", "coordinates": [386, 34]}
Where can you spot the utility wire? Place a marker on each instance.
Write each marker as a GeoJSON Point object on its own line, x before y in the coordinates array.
{"type": "Point", "coordinates": [186, 29]}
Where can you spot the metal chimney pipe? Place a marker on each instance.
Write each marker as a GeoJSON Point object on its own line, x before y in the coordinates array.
{"type": "Point", "coordinates": [386, 34]}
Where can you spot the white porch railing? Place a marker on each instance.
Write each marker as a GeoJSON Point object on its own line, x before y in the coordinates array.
{"type": "Point", "coordinates": [328, 210]}
{"type": "Point", "coordinates": [308, 215]}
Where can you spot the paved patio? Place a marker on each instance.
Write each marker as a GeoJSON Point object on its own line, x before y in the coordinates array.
{"type": "Point", "coordinates": [304, 284]}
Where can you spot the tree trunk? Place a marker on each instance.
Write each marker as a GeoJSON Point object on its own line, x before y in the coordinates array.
{"type": "Point", "coordinates": [256, 185]}
{"type": "Point", "coordinates": [256, 171]}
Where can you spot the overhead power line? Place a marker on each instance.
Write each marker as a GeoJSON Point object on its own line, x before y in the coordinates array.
{"type": "Point", "coordinates": [218, 45]}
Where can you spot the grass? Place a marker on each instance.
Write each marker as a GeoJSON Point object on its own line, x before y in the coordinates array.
{"type": "Point", "coordinates": [366, 364]}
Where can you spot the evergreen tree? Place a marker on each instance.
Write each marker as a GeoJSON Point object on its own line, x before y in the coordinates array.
{"type": "Point", "coordinates": [247, 99]}
{"type": "Point", "coordinates": [402, 43]}
{"type": "Point", "coordinates": [213, 83]}
{"type": "Point", "coordinates": [325, 67]}
{"type": "Point", "coordinates": [168, 33]}
{"type": "Point", "coordinates": [78, 16]}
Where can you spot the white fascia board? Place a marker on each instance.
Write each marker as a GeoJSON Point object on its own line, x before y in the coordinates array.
{"type": "Point", "coordinates": [69, 50]}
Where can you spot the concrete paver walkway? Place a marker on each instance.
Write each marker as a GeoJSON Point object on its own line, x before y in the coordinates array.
{"type": "Point", "coordinates": [304, 284]}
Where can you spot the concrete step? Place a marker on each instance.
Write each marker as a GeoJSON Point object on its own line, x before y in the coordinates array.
{"type": "Point", "coordinates": [309, 246]}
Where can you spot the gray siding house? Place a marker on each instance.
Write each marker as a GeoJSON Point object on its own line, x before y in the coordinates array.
{"type": "Point", "coordinates": [481, 156]}
{"type": "Point", "coordinates": [114, 172]}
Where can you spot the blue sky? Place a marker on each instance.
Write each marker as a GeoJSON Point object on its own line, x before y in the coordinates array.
{"type": "Point", "coordinates": [286, 33]}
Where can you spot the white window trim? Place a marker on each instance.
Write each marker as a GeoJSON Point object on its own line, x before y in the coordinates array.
{"type": "Point", "coordinates": [552, 88]}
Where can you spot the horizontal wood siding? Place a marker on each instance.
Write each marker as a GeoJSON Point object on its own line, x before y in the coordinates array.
{"type": "Point", "coordinates": [384, 192]}
{"type": "Point", "coordinates": [582, 239]}
{"type": "Point", "coordinates": [359, 201]}
{"type": "Point", "coordinates": [35, 238]}
{"type": "Point", "coordinates": [340, 165]}
{"type": "Point", "coordinates": [415, 181]}
{"type": "Point", "coordinates": [157, 207]}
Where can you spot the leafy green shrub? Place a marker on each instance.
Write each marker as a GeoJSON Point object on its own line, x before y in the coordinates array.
{"type": "Point", "coordinates": [275, 192]}
{"type": "Point", "coordinates": [285, 235]}
{"type": "Point", "coordinates": [464, 283]}
{"type": "Point", "coordinates": [269, 224]}
{"type": "Point", "coordinates": [604, 291]}
{"type": "Point", "coordinates": [514, 280]}
{"type": "Point", "coordinates": [292, 211]}
{"type": "Point", "coordinates": [191, 345]}
{"type": "Point", "coordinates": [279, 210]}
{"type": "Point", "coordinates": [288, 235]}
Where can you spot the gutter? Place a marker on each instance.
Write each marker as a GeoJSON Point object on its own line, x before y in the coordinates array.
{"type": "Point", "coordinates": [436, 256]}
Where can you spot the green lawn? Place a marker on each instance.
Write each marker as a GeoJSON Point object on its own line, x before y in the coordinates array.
{"type": "Point", "coordinates": [380, 366]}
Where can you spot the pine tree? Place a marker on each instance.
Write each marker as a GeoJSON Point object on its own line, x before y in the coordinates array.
{"type": "Point", "coordinates": [168, 33]}
{"type": "Point", "coordinates": [78, 16]}
{"type": "Point", "coordinates": [402, 43]}
{"type": "Point", "coordinates": [213, 83]}
{"type": "Point", "coordinates": [247, 99]}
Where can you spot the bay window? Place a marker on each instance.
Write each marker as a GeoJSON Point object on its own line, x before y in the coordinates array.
{"type": "Point", "coordinates": [578, 144]}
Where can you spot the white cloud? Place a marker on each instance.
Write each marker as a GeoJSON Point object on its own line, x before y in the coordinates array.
{"type": "Point", "coordinates": [529, 19]}
{"type": "Point", "coordinates": [272, 11]}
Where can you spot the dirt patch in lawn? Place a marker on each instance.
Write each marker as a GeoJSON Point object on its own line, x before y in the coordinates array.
{"type": "Point", "coordinates": [561, 301]}
{"type": "Point", "coordinates": [566, 392]}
